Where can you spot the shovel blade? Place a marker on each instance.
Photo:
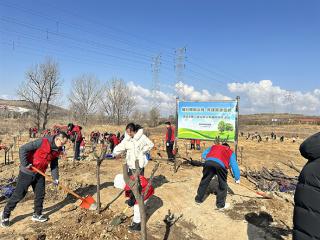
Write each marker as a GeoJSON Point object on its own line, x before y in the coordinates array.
{"type": "Point", "coordinates": [265, 195]}
{"type": "Point", "coordinates": [117, 220]}
{"type": "Point", "coordinates": [88, 203]}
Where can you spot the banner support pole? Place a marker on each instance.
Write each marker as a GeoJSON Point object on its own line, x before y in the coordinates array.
{"type": "Point", "coordinates": [237, 128]}
{"type": "Point", "coordinates": [176, 128]}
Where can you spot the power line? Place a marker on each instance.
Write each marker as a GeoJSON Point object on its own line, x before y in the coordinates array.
{"type": "Point", "coordinates": [84, 60]}
{"type": "Point", "coordinates": [58, 23]}
{"type": "Point", "coordinates": [73, 26]}
{"type": "Point", "coordinates": [88, 42]}
{"type": "Point", "coordinates": [212, 71]}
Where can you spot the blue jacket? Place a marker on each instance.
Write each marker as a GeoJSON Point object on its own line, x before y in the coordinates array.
{"type": "Point", "coordinates": [233, 163]}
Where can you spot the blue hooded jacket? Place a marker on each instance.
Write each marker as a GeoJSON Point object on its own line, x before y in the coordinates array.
{"type": "Point", "coordinates": [233, 163]}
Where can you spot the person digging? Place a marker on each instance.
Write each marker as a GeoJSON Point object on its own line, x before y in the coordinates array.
{"type": "Point", "coordinates": [120, 183]}
{"type": "Point", "coordinates": [36, 154]}
{"type": "Point", "coordinates": [75, 134]}
{"type": "Point", "coordinates": [218, 159]}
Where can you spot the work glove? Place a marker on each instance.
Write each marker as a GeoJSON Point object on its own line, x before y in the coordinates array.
{"type": "Point", "coordinates": [55, 182]}
{"type": "Point", "coordinates": [29, 166]}
{"type": "Point", "coordinates": [238, 181]}
{"type": "Point", "coordinates": [130, 202]}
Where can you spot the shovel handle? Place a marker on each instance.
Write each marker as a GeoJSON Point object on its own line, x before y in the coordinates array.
{"type": "Point", "coordinates": [62, 186]}
{"type": "Point", "coordinates": [258, 193]}
{"type": "Point", "coordinates": [124, 211]}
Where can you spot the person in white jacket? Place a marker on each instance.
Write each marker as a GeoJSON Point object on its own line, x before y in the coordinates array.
{"type": "Point", "coordinates": [136, 145]}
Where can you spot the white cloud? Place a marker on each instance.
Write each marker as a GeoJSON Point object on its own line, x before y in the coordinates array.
{"type": "Point", "coordinates": [191, 94]}
{"type": "Point", "coordinates": [255, 97]}
{"type": "Point", "coordinates": [263, 96]}
{"type": "Point", "coordinates": [144, 99]}
{"type": "Point", "coordinates": [167, 100]}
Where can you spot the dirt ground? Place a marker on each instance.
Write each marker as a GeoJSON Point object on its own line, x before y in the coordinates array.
{"type": "Point", "coordinates": [250, 216]}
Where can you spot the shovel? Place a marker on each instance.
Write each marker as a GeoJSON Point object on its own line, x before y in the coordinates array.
{"type": "Point", "coordinates": [87, 202]}
{"type": "Point", "coordinates": [262, 194]}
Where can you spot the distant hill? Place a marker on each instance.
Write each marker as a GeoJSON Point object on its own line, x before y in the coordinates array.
{"type": "Point", "coordinates": [277, 118]}
{"type": "Point", "coordinates": [22, 105]}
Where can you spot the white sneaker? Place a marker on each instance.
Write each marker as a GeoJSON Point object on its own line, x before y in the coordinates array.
{"type": "Point", "coordinates": [226, 206]}
{"type": "Point", "coordinates": [4, 222]}
{"type": "Point", "coordinates": [39, 218]}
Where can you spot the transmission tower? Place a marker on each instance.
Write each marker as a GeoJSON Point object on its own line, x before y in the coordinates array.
{"type": "Point", "coordinates": [179, 66]}
{"type": "Point", "coordinates": [155, 68]}
{"type": "Point", "coordinates": [289, 99]}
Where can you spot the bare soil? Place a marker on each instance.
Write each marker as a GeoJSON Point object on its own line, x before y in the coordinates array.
{"type": "Point", "coordinates": [249, 217]}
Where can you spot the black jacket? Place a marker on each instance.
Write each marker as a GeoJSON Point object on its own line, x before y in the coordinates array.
{"type": "Point", "coordinates": [32, 146]}
{"type": "Point", "coordinates": [306, 218]}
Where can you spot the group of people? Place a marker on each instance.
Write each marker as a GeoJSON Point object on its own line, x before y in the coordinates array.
{"type": "Point", "coordinates": [135, 145]}
{"type": "Point", "coordinates": [33, 131]}
{"type": "Point", "coordinates": [195, 144]}
{"type": "Point", "coordinates": [105, 138]}
{"type": "Point", "coordinates": [218, 159]}
{"type": "Point", "coordinates": [272, 136]}
{"type": "Point", "coordinates": [38, 155]}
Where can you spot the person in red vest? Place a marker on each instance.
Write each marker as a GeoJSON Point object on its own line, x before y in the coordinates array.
{"type": "Point", "coordinates": [34, 132]}
{"type": "Point", "coordinates": [46, 133]}
{"type": "Point", "coordinates": [74, 132]}
{"type": "Point", "coordinates": [198, 147]}
{"type": "Point", "coordinates": [113, 140]}
{"type": "Point", "coordinates": [192, 142]}
{"type": "Point", "coordinates": [39, 154]}
{"type": "Point", "coordinates": [170, 140]}
{"type": "Point", "coordinates": [218, 159]}
{"type": "Point", "coordinates": [120, 183]}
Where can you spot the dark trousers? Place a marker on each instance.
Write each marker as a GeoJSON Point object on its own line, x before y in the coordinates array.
{"type": "Point", "coordinates": [112, 146]}
{"type": "Point", "coordinates": [37, 182]}
{"type": "Point", "coordinates": [169, 148]}
{"type": "Point", "coordinates": [77, 150]}
{"type": "Point", "coordinates": [210, 169]}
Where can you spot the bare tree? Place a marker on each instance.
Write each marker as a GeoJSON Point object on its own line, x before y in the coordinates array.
{"type": "Point", "coordinates": [139, 116]}
{"type": "Point", "coordinates": [51, 75]}
{"type": "Point", "coordinates": [40, 89]}
{"type": "Point", "coordinates": [84, 96]}
{"type": "Point", "coordinates": [154, 116]}
{"type": "Point", "coordinates": [118, 100]}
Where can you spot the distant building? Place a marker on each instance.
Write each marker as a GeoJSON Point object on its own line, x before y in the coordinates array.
{"type": "Point", "coordinates": [313, 120]}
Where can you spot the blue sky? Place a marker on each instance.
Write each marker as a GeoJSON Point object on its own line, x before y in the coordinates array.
{"type": "Point", "coordinates": [226, 41]}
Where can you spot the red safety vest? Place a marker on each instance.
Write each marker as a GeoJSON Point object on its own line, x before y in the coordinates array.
{"type": "Point", "coordinates": [223, 153]}
{"type": "Point", "coordinates": [76, 129]}
{"type": "Point", "coordinates": [115, 140]}
{"type": "Point", "coordinates": [172, 134]}
{"type": "Point", "coordinates": [41, 157]}
{"type": "Point", "coordinates": [144, 184]}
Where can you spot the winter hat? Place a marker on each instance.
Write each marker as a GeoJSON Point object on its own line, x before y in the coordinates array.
{"type": "Point", "coordinates": [119, 181]}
